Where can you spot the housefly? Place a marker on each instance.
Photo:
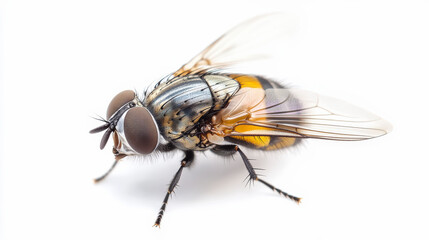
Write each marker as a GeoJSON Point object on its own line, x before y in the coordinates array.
{"type": "Point", "coordinates": [202, 106]}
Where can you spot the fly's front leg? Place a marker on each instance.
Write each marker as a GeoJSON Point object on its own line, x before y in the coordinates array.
{"type": "Point", "coordinates": [162, 148]}
{"type": "Point", "coordinates": [166, 147]}
{"type": "Point", "coordinates": [186, 162]}
{"type": "Point", "coordinates": [117, 158]}
{"type": "Point", "coordinates": [96, 180]}
{"type": "Point", "coordinates": [227, 150]}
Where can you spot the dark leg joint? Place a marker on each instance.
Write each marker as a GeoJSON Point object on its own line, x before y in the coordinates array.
{"type": "Point", "coordinates": [189, 157]}
{"type": "Point", "coordinates": [225, 150]}
{"type": "Point", "coordinates": [166, 147]}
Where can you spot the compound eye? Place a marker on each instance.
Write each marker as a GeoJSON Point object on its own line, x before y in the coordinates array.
{"type": "Point", "coordinates": [141, 130]}
{"type": "Point", "coordinates": [119, 100]}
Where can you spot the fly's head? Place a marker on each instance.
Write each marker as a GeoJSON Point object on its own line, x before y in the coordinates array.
{"type": "Point", "coordinates": [132, 126]}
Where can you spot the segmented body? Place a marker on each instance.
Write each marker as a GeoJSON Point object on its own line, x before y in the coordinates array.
{"type": "Point", "coordinates": [181, 104]}
{"type": "Point", "coordinates": [190, 111]}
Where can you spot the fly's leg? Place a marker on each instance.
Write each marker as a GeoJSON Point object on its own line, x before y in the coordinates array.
{"type": "Point", "coordinates": [107, 173]}
{"type": "Point", "coordinates": [118, 157]}
{"type": "Point", "coordinates": [186, 162]}
{"type": "Point", "coordinates": [227, 150]}
{"type": "Point", "coordinates": [166, 147]}
{"type": "Point", "coordinates": [162, 148]}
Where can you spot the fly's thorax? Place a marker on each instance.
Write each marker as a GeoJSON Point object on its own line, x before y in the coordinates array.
{"type": "Point", "coordinates": [180, 105]}
{"type": "Point", "coordinates": [131, 125]}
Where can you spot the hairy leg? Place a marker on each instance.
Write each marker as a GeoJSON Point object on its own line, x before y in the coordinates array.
{"type": "Point", "coordinates": [228, 150]}
{"type": "Point", "coordinates": [186, 162]}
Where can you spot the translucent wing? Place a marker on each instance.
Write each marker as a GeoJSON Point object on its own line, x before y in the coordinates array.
{"type": "Point", "coordinates": [299, 114]}
{"type": "Point", "coordinates": [242, 43]}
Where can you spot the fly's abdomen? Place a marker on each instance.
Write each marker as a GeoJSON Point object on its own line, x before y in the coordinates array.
{"type": "Point", "coordinates": [258, 142]}
{"type": "Point", "coordinates": [180, 103]}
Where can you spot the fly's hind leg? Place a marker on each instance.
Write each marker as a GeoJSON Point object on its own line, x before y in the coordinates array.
{"type": "Point", "coordinates": [186, 162]}
{"type": "Point", "coordinates": [227, 150]}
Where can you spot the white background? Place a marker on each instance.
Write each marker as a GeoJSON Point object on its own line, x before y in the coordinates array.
{"type": "Point", "coordinates": [63, 61]}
